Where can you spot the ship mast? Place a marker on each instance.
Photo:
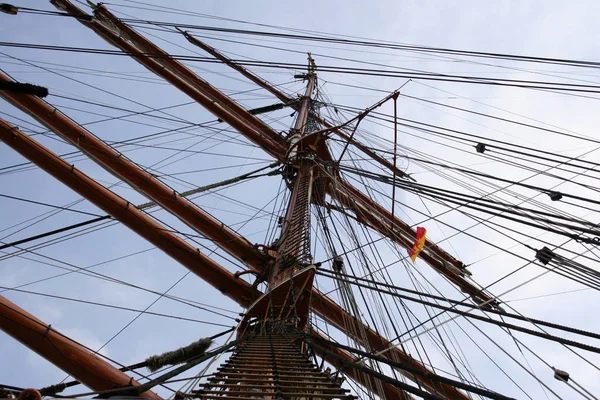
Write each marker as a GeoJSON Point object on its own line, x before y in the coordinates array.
{"type": "Point", "coordinates": [272, 359]}
{"type": "Point", "coordinates": [293, 247]}
{"type": "Point", "coordinates": [290, 273]}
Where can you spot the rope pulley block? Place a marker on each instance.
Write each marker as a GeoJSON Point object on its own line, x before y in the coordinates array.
{"type": "Point", "coordinates": [561, 375]}
{"type": "Point", "coordinates": [544, 255]}
{"type": "Point", "coordinates": [8, 9]}
{"type": "Point", "coordinates": [338, 263]}
{"type": "Point", "coordinates": [555, 196]}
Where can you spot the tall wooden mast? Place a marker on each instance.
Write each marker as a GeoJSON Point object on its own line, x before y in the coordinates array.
{"type": "Point", "coordinates": [293, 247]}
{"type": "Point", "coordinates": [290, 273]}
{"type": "Point", "coordinates": [272, 361]}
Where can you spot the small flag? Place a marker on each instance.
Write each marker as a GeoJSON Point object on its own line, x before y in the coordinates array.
{"type": "Point", "coordinates": [418, 245]}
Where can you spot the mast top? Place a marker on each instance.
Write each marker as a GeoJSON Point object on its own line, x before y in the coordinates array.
{"type": "Point", "coordinates": [312, 66]}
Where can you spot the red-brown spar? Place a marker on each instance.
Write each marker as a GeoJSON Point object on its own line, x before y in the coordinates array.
{"type": "Point", "coordinates": [129, 172]}
{"type": "Point", "coordinates": [186, 81]}
{"type": "Point", "coordinates": [70, 356]}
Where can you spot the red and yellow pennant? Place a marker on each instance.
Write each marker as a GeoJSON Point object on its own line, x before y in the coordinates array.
{"type": "Point", "coordinates": [419, 244]}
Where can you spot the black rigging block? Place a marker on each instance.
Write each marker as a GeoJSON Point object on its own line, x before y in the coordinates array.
{"type": "Point", "coordinates": [8, 9]}
{"type": "Point", "coordinates": [561, 375]}
{"type": "Point", "coordinates": [555, 196]}
{"type": "Point", "coordinates": [338, 263]}
{"type": "Point", "coordinates": [544, 255]}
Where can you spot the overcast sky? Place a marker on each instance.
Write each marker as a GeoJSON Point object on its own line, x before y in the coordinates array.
{"type": "Point", "coordinates": [544, 28]}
